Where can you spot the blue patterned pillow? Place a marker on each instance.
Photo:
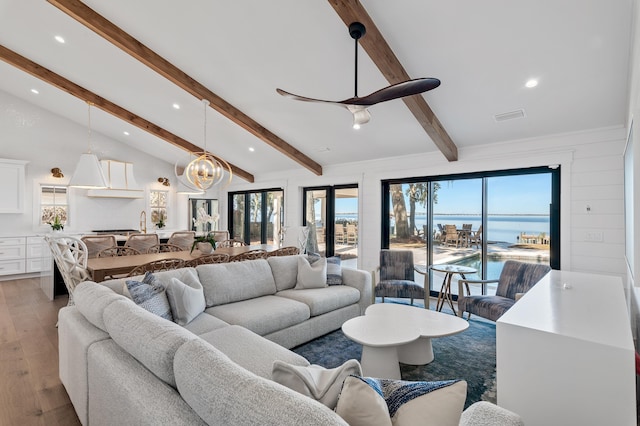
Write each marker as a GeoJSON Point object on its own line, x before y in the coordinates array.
{"type": "Point", "coordinates": [150, 294]}
{"type": "Point", "coordinates": [334, 271]}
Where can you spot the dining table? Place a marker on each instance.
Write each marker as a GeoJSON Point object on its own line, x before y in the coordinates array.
{"type": "Point", "coordinates": [102, 267]}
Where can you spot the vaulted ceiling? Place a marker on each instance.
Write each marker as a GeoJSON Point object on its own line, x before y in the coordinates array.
{"type": "Point", "coordinates": [138, 58]}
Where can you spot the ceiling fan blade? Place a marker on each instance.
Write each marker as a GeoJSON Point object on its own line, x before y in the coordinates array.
{"type": "Point", "coordinates": [306, 99]}
{"type": "Point", "coordinates": [395, 91]}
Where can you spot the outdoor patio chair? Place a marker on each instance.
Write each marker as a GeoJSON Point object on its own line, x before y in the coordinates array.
{"type": "Point", "coordinates": [397, 276]}
{"type": "Point", "coordinates": [142, 242]}
{"type": "Point", "coordinates": [475, 238]}
{"type": "Point", "coordinates": [96, 243]}
{"type": "Point", "coordinates": [352, 234]}
{"type": "Point", "coordinates": [515, 279]}
{"type": "Point", "coordinates": [340, 237]}
{"type": "Point", "coordinates": [182, 239]}
{"type": "Point", "coordinates": [451, 235]}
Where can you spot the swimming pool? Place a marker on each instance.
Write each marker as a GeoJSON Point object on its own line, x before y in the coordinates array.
{"type": "Point", "coordinates": [494, 265]}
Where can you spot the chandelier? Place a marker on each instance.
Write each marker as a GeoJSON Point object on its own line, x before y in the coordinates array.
{"type": "Point", "coordinates": [206, 170]}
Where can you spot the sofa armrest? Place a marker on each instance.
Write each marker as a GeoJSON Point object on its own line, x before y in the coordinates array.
{"type": "Point", "coordinates": [484, 413]}
{"type": "Point", "coordinates": [360, 280]}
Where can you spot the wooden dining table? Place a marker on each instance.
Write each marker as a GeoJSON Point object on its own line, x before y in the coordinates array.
{"type": "Point", "coordinates": [101, 267]}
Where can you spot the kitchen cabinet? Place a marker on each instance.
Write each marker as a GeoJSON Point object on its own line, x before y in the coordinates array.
{"type": "Point", "coordinates": [12, 255]}
{"type": "Point", "coordinates": [12, 174]}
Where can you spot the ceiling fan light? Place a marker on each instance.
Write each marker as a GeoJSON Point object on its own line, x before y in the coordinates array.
{"type": "Point", "coordinates": [360, 115]}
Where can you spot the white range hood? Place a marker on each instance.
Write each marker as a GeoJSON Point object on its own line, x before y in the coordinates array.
{"type": "Point", "coordinates": [120, 181]}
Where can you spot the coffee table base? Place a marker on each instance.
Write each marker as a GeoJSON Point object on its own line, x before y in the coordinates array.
{"type": "Point", "coordinates": [418, 352]}
{"type": "Point", "coordinates": [380, 362]}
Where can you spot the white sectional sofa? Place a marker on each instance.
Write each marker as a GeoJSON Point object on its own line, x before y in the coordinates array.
{"type": "Point", "coordinates": [121, 364]}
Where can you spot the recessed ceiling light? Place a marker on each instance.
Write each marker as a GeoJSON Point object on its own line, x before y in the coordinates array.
{"type": "Point", "coordinates": [34, 91]}
{"type": "Point", "coordinates": [531, 83]}
{"type": "Point", "coordinates": [251, 149]}
{"type": "Point", "coordinates": [176, 106]}
{"type": "Point", "coordinates": [59, 39]}
{"type": "Point", "coordinates": [126, 133]}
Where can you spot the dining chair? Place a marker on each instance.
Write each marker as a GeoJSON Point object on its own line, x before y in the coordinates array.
{"type": "Point", "coordinates": [156, 266]}
{"type": "Point", "coordinates": [118, 251]}
{"type": "Point", "coordinates": [230, 243]}
{"type": "Point", "coordinates": [183, 239]}
{"type": "Point", "coordinates": [70, 255]}
{"type": "Point", "coordinates": [142, 242]}
{"type": "Point", "coordinates": [166, 248]}
{"type": "Point", "coordinates": [208, 259]}
{"type": "Point", "coordinates": [397, 278]}
{"type": "Point", "coordinates": [249, 255]}
{"type": "Point", "coordinates": [516, 278]}
{"type": "Point", "coordinates": [220, 235]}
{"type": "Point", "coordinates": [96, 243]}
{"type": "Point", "coordinates": [284, 251]}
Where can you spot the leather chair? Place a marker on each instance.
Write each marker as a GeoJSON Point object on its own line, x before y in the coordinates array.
{"type": "Point", "coordinates": [515, 279]}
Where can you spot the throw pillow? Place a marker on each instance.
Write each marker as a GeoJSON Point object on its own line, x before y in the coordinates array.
{"type": "Point", "coordinates": [369, 401]}
{"type": "Point", "coordinates": [315, 381]}
{"type": "Point", "coordinates": [150, 295]}
{"type": "Point", "coordinates": [311, 276]}
{"type": "Point", "coordinates": [334, 271]}
{"type": "Point", "coordinates": [186, 301]}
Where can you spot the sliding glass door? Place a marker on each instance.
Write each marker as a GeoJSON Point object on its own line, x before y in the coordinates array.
{"type": "Point", "coordinates": [476, 220]}
{"type": "Point", "coordinates": [255, 217]}
{"type": "Point", "coordinates": [331, 213]}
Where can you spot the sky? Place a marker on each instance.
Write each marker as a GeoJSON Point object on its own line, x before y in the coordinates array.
{"type": "Point", "coordinates": [523, 194]}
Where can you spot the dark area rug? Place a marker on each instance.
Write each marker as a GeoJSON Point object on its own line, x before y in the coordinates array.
{"type": "Point", "coordinates": [470, 355]}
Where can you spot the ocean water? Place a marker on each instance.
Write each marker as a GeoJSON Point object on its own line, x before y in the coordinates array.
{"type": "Point", "coordinates": [500, 228]}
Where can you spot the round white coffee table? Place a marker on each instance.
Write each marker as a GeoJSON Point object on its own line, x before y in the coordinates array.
{"type": "Point", "coordinates": [431, 324]}
{"type": "Point", "coordinates": [390, 334]}
{"type": "Point", "coordinates": [379, 338]}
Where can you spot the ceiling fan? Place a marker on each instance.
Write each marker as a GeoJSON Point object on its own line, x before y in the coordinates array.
{"type": "Point", "coordinates": [358, 105]}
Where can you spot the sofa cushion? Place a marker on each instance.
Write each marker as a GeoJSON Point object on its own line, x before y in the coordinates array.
{"type": "Point", "coordinates": [232, 282]}
{"type": "Point", "coordinates": [285, 271]}
{"type": "Point", "coordinates": [314, 381]}
{"type": "Point", "coordinates": [223, 393]}
{"type": "Point", "coordinates": [186, 300]}
{"type": "Point", "coordinates": [205, 323]}
{"type": "Point", "coordinates": [91, 299]}
{"type": "Point", "coordinates": [367, 401]}
{"type": "Point", "coordinates": [251, 351]}
{"type": "Point", "coordinates": [334, 271]}
{"type": "Point", "coordinates": [150, 339]}
{"type": "Point", "coordinates": [321, 301]}
{"type": "Point", "coordinates": [263, 315]}
{"type": "Point", "coordinates": [311, 274]}
{"type": "Point", "coordinates": [151, 295]}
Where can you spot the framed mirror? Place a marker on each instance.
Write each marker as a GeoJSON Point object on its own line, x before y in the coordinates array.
{"type": "Point", "coordinates": [203, 214]}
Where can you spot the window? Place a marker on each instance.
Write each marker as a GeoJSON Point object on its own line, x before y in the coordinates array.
{"type": "Point", "coordinates": [158, 205]}
{"type": "Point", "coordinates": [53, 202]}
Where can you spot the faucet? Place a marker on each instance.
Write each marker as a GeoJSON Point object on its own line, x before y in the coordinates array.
{"type": "Point", "coordinates": [143, 222]}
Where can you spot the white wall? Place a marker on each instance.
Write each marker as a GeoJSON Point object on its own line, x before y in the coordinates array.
{"type": "Point", "coordinates": [47, 140]}
{"type": "Point", "coordinates": [591, 174]}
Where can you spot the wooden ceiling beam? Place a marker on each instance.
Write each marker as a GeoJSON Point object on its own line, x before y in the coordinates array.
{"type": "Point", "coordinates": [109, 31]}
{"type": "Point", "coordinates": [381, 54]}
{"type": "Point", "coordinates": [80, 92]}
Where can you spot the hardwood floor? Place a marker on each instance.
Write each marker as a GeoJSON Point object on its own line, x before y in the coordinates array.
{"type": "Point", "coordinates": [30, 389]}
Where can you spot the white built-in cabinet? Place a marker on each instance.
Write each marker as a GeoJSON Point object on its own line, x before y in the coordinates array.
{"type": "Point", "coordinates": [12, 175]}
{"type": "Point", "coordinates": [23, 254]}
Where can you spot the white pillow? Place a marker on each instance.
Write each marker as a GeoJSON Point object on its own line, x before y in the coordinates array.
{"type": "Point", "coordinates": [186, 301]}
{"type": "Point", "coordinates": [367, 401]}
{"type": "Point", "coordinates": [314, 381]}
{"type": "Point", "coordinates": [311, 276]}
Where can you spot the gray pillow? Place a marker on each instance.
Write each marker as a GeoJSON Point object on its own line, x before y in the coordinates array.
{"type": "Point", "coordinates": [311, 276]}
{"type": "Point", "coordinates": [186, 300]}
{"type": "Point", "coordinates": [150, 295]}
{"type": "Point", "coordinates": [314, 381]}
{"type": "Point", "coordinates": [334, 271]}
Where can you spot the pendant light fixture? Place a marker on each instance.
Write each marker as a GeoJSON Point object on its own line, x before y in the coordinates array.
{"type": "Point", "coordinates": [206, 170]}
{"type": "Point", "coordinates": [88, 174]}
